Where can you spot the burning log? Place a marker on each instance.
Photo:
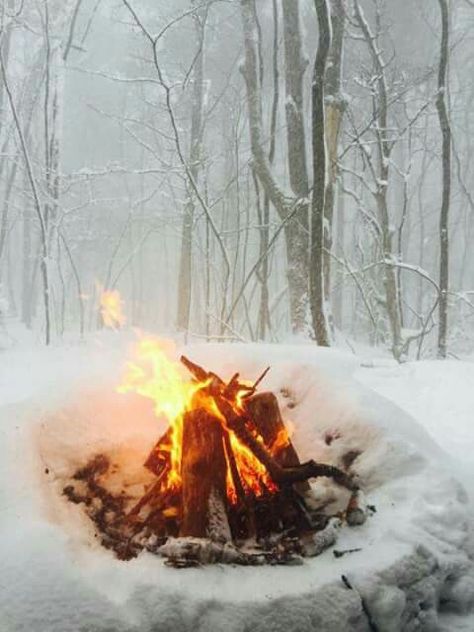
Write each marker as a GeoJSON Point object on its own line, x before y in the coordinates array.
{"type": "Point", "coordinates": [265, 414]}
{"type": "Point", "coordinates": [239, 424]}
{"type": "Point", "coordinates": [203, 472]}
{"type": "Point", "coordinates": [159, 457]}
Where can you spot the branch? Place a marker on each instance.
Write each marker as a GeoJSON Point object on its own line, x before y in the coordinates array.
{"type": "Point", "coordinates": [177, 141]}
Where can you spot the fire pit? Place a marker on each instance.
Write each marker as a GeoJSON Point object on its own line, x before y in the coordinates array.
{"type": "Point", "coordinates": [226, 484]}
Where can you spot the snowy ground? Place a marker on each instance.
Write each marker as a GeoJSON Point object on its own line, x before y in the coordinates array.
{"type": "Point", "coordinates": [440, 396]}
{"type": "Point", "coordinates": [414, 570]}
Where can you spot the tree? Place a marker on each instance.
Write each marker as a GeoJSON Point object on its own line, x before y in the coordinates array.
{"type": "Point", "coordinates": [335, 104]}
{"type": "Point", "coordinates": [195, 166]}
{"type": "Point", "coordinates": [381, 175]}
{"type": "Point", "coordinates": [317, 298]}
{"type": "Point", "coordinates": [296, 226]}
{"type": "Point", "coordinates": [444, 124]}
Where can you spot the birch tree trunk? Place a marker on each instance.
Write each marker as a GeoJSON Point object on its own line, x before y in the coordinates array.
{"type": "Point", "coordinates": [446, 167]}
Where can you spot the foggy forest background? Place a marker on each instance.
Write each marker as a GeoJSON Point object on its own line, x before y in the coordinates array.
{"type": "Point", "coordinates": [240, 169]}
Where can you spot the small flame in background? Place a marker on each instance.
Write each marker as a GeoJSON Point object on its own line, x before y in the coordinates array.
{"type": "Point", "coordinates": [153, 373]}
{"type": "Point", "coordinates": [111, 309]}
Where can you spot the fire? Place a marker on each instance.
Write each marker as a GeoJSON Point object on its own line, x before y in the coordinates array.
{"type": "Point", "coordinates": [155, 376]}
{"type": "Point", "coordinates": [153, 373]}
{"type": "Point", "coordinates": [111, 309]}
{"type": "Point", "coordinates": [283, 438]}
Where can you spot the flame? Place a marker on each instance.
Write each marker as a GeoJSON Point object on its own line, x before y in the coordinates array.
{"type": "Point", "coordinates": [111, 309]}
{"type": "Point", "coordinates": [155, 374]}
{"type": "Point", "coordinates": [283, 437]}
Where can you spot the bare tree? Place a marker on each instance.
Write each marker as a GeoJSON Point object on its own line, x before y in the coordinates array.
{"type": "Point", "coordinates": [37, 205]}
{"type": "Point", "coordinates": [195, 166]}
{"type": "Point", "coordinates": [446, 187]}
{"type": "Point", "coordinates": [335, 106]}
{"type": "Point", "coordinates": [296, 235]}
{"type": "Point", "coordinates": [384, 147]}
{"type": "Point", "coordinates": [264, 316]}
{"type": "Point", "coordinates": [317, 298]}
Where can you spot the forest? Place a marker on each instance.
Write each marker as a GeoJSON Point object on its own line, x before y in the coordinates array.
{"type": "Point", "coordinates": [253, 170]}
{"type": "Point", "coordinates": [236, 315]}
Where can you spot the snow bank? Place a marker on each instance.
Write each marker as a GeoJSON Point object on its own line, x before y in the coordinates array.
{"type": "Point", "coordinates": [60, 406]}
{"type": "Point", "coordinates": [440, 396]}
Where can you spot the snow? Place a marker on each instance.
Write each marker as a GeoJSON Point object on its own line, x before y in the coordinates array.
{"type": "Point", "coordinates": [58, 406]}
{"type": "Point", "coordinates": [439, 395]}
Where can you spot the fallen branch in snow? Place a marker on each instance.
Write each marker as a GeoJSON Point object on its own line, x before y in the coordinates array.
{"type": "Point", "coordinates": [338, 553]}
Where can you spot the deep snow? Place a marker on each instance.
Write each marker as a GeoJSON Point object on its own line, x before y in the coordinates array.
{"type": "Point", "coordinates": [59, 406]}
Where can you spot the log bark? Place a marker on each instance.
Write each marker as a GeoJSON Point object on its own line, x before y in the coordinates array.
{"type": "Point", "coordinates": [265, 413]}
{"type": "Point", "coordinates": [238, 424]}
{"type": "Point", "coordinates": [203, 473]}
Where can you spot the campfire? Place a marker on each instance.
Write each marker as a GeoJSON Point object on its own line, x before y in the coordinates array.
{"type": "Point", "coordinates": [227, 484]}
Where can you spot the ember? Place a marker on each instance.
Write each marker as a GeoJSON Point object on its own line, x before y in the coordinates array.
{"type": "Point", "coordinates": [229, 484]}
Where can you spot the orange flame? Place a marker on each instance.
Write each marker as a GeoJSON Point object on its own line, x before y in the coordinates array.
{"type": "Point", "coordinates": [111, 309]}
{"type": "Point", "coordinates": [283, 437]}
{"type": "Point", "coordinates": [154, 374]}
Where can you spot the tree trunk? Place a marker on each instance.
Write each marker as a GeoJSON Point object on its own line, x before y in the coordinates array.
{"type": "Point", "coordinates": [295, 232]}
{"type": "Point", "coordinates": [295, 66]}
{"type": "Point", "coordinates": [446, 165]}
{"type": "Point", "coordinates": [26, 286]}
{"type": "Point", "coordinates": [384, 147]}
{"type": "Point", "coordinates": [197, 104]}
{"type": "Point", "coordinates": [264, 319]}
{"type": "Point", "coordinates": [335, 106]}
{"type": "Point", "coordinates": [317, 299]}
{"type": "Point", "coordinates": [338, 308]}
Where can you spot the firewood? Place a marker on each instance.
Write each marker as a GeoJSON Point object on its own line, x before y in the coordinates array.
{"type": "Point", "coordinates": [239, 488]}
{"type": "Point", "coordinates": [203, 473]}
{"type": "Point", "coordinates": [150, 495]}
{"type": "Point", "coordinates": [159, 457]}
{"type": "Point", "coordinates": [280, 475]}
{"type": "Point", "coordinates": [264, 412]}
{"type": "Point", "coordinates": [187, 552]}
{"type": "Point", "coordinates": [239, 424]}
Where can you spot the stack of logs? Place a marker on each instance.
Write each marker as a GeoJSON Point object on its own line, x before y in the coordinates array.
{"type": "Point", "coordinates": [202, 509]}
{"type": "Point", "coordinates": [196, 522]}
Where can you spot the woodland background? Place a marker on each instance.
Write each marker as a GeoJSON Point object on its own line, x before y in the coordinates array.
{"type": "Point", "coordinates": [240, 170]}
